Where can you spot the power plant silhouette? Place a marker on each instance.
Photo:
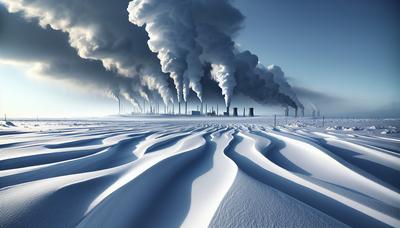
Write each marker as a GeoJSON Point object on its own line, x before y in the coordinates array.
{"type": "Point", "coordinates": [149, 108]}
{"type": "Point", "coordinates": [204, 109]}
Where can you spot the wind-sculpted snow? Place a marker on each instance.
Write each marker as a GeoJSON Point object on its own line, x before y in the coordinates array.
{"type": "Point", "coordinates": [197, 172]}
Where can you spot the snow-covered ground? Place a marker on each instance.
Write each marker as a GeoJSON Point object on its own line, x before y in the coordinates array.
{"type": "Point", "coordinates": [199, 172]}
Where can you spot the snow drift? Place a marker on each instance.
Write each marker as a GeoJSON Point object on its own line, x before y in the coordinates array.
{"type": "Point", "coordinates": [195, 173]}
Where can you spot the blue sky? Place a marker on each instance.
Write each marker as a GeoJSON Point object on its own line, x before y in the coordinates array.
{"type": "Point", "coordinates": [345, 49]}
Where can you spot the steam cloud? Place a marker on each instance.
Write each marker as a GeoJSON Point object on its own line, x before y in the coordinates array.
{"type": "Point", "coordinates": [158, 45]}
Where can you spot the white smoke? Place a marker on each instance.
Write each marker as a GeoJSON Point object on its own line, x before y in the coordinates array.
{"type": "Point", "coordinates": [224, 76]}
{"type": "Point", "coordinates": [172, 36]}
{"type": "Point", "coordinates": [181, 37]}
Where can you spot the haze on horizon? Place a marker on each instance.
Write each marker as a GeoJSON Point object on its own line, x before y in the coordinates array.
{"type": "Point", "coordinates": [341, 56]}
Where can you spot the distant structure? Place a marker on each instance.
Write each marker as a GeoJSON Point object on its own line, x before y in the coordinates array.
{"type": "Point", "coordinates": [235, 111]}
{"type": "Point", "coordinates": [295, 112]}
{"type": "Point", "coordinates": [251, 112]}
{"type": "Point", "coordinates": [212, 113]}
{"type": "Point", "coordinates": [149, 108]}
{"type": "Point", "coordinates": [119, 105]}
{"type": "Point", "coordinates": [287, 111]}
{"type": "Point", "coordinates": [185, 107]}
{"type": "Point", "coordinates": [302, 112]}
{"type": "Point", "coordinates": [227, 112]}
{"type": "Point", "coordinates": [196, 113]}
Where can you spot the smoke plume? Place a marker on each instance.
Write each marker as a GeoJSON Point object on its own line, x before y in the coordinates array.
{"type": "Point", "coordinates": [284, 87]}
{"type": "Point", "coordinates": [146, 50]}
{"type": "Point", "coordinates": [95, 36]}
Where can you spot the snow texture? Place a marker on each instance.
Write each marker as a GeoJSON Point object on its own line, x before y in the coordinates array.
{"type": "Point", "coordinates": [199, 172]}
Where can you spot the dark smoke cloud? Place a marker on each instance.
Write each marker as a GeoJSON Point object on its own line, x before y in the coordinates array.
{"type": "Point", "coordinates": [93, 43]}
{"type": "Point", "coordinates": [186, 34]}
{"type": "Point", "coordinates": [258, 83]}
{"type": "Point", "coordinates": [178, 27]}
{"type": "Point", "coordinates": [99, 30]}
{"type": "Point", "coordinates": [28, 44]}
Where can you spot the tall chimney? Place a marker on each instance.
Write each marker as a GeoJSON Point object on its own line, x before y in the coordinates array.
{"type": "Point", "coordinates": [179, 109]}
{"type": "Point", "coordinates": [235, 111]}
{"type": "Point", "coordinates": [119, 106]}
{"type": "Point", "coordinates": [244, 112]}
{"type": "Point", "coordinates": [251, 112]}
{"type": "Point", "coordinates": [227, 110]}
{"type": "Point", "coordinates": [217, 109]}
{"type": "Point", "coordinates": [185, 107]}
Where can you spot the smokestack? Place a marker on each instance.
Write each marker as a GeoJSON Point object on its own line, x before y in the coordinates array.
{"type": "Point", "coordinates": [251, 112]}
{"type": "Point", "coordinates": [185, 107]}
{"type": "Point", "coordinates": [217, 109]}
{"type": "Point", "coordinates": [244, 112]}
{"type": "Point", "coordinates": [179, 109]}
{"type": "Point", "coordinates": [201, 107]}
{"type": "Point", "coordinates": [287, 111]}
{"type": "Point", "coordinates": [227, 110]}
{"type": "Point", "coordinates": [235, 111]}
{"type": "Point", "coordinates": [119, 105]}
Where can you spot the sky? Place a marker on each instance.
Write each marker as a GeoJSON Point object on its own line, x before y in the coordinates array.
{"type": "Point", "coordinates": [342, 56]}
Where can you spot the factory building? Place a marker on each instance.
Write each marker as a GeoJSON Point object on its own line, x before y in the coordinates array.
{"type": "Point", "coordinates": [196, 113]}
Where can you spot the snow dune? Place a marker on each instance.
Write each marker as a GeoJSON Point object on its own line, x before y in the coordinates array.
{"type": "Point", "coordinates": [221, 172]}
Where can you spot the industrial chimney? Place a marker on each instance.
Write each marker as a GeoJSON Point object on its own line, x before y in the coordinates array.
{"type": "Point", "coordinates": [287, 111]}
{"type": "Point", "coordinates": [185, 107]}
{"type": "Point", "coordinates": [227, 112]}
{"type": "Point", "coordinates": [251, 112]}
{"type": "Point", "coordinates": [235, 111]}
